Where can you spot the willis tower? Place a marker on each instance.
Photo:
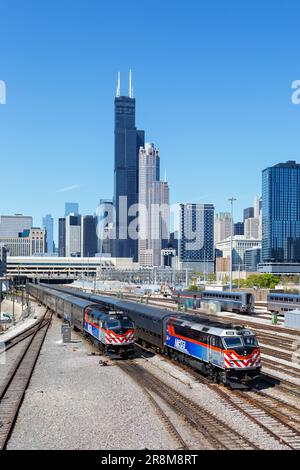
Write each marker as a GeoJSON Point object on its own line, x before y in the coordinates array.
{"type": "Point", "coordinates": [128, 140]}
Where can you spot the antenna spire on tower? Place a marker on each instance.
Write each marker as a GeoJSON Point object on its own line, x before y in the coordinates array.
{"type": "Point", "coordinates": [130, 85]}
{"type": "Point", "coordinates": [119, 85]}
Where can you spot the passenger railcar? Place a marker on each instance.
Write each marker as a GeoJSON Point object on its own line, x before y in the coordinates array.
{"type": "Point", "coordinates": [238, 302]}
{"type": "Point", "coordinates": [280, 303]}
{"type": "Point", "coordinates": [112, 331]}
{"type": "Point", "coordinates": [228, 354]}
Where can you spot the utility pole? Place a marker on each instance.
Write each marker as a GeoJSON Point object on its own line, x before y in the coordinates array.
{"type": "Point", "coordinates": [22, 303]}
{"type": "Point", "coordinates": [231, 200]}
{"type": "Point", "coordinates": [186, 278]}
{"type": "Point", "coordinates": [13, 299]}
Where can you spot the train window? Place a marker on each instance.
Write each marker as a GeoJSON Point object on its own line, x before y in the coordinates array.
{"type": "Point", "coordinates": [233, 342]}
{"type": "Point", "coordinates": [180, 330]}
{"type": "Point", "coordinates": [203, 337]}
{"type": "Point", "coordinates": [112, 324]}
{"type": "Point", "coordinates": [127, 324]}
{"type": "Point", "coordinates": [250, 341]}
{"type": "Point", "coordinates": [216, 342]}
{"type": "Point", "coordinates": [197, 335]}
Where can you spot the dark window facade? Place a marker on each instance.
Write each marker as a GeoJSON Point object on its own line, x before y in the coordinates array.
{"type": "Point", "coordinates": [62, 237]}
{"type": "Point", "coordinates": [89, 234]}
{"type": "Point", "coordinates": [128, 140]}
{"type": "Point", "coordinates": [281, 213]}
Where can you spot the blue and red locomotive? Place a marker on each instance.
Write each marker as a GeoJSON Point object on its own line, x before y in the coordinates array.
{"type": "Point", "coordinates": [227, 353]}
{"type": "Point", "coordinates": [112, 331]}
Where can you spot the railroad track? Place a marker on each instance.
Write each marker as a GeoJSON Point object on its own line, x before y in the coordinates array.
{"type": "Point", "coordinates": [212, 429]}
{"type": "Point", "coordinates": [276, 366]}
{"type": "Point", "coordinates": [19, 337]}
{"type": "Point", "coordinates": [286, 411]}
{"type": "Point", "coordinates": [281, 343]}
{"type": "Point", "coordinates": [282, 384]}
{"type": "Point", "coordinates": [13, 389]}
{"type": "Point", "coordinates": [273, 415]}
{"type": "Point", "coordinates": [263, 410]}
{"type": "Point", "coordinates": [182, 445]}
{"type": "Point", "coordinates": [260, 408]}
{"type": "Point", "coordinates": [274, 353]}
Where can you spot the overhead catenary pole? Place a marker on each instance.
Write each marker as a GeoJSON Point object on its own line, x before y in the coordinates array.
{"type": "Point", "coordinates": [13, 299]}
{"type": "Point", "coordinates": [231, 200]}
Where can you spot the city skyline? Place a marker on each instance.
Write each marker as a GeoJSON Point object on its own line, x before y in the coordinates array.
{"type": "Point", "coordinates": [193, 115]}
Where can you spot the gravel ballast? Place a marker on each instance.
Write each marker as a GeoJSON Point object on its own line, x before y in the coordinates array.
{"type": "Point", "coordinates": [73, 402]}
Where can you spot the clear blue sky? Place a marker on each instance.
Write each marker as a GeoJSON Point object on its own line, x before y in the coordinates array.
{"type": "Point", "coordinates": [212, 81]}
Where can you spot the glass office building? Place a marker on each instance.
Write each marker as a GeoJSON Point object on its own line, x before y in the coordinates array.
{"type": "Point", "coordinates": [48, 226]}
{"type": "Point", "coordinates": [128, 141]}
{"type": "Point", "coordinates": [196, 236]}
{"type": "Point", "coordinates": [248, 213]}
{"type": "Point", "coordinates": [281, 213]}
{"type": "Point", "coordinates": [89, 239]}
{"type": "Point", "coordinates": [62, 236]}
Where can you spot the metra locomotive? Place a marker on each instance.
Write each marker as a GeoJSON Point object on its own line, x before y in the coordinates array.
{"type": "Point", "coordinates": [228, 354]}
{"type": "Point", "coordinates": [238, 302]}
{"type": "Point", "coordinates": [113, 331]}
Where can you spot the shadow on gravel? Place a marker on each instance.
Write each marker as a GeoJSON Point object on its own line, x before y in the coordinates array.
{"type": "Point", "coordinates": [266, 382]}
{"type": "Point", "coordinates": [140, 353]}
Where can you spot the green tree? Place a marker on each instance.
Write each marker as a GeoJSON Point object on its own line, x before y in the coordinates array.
{"type": "Point", "coordinates": [264, 281]}
{"type": "Point", "coordinates": [192, 287]}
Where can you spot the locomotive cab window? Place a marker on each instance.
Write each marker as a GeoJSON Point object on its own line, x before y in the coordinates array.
{"type": "Point", "coordinates": [250, 341]}
{"type": "Point", "coordinates": [232, 342]}
{"type": "Point", "coordinates": [127, 324]}
{"type": "Point", "coordinates": [112, 324]}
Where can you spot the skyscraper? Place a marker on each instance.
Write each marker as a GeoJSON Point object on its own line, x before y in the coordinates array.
{"type": "Point", "coordinates": [128, 140]}
{"type": "Point", "coordinates": [62, 237]}
{"type": "Point", "coordinates": [281, 213]}
{"type": "Point", "coordinates": [71, 208]}
{"type": "Point", "coordinates": [73, 235]}
{"type": "Point", "coordinates": [12, 225]}
{"type": "Point", "coordinates": [257, 206]}
{"type": "Point", "coordinates": [3, 260]}
{"type": "Point", "coordinates": [48, 226]}
{"type": "Point", "coordinates": [252, 227]}
{"type": "Point", "coordinates": [105, 229]}
{"type": "Point", "coordinates": [196, 237]}
{"type": "Point", "coordinates": [223, 223]}
{"type": "Point", "coordinates": [248, 213]}
{"type": "Point", "coordinates": [149, 169]}
{"type": "Point", "coordinates": [238, 228]}
{"type": "Point", "coordinates": [89, 239]}
{"type": "Point", "coordinates": [159, 206]}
